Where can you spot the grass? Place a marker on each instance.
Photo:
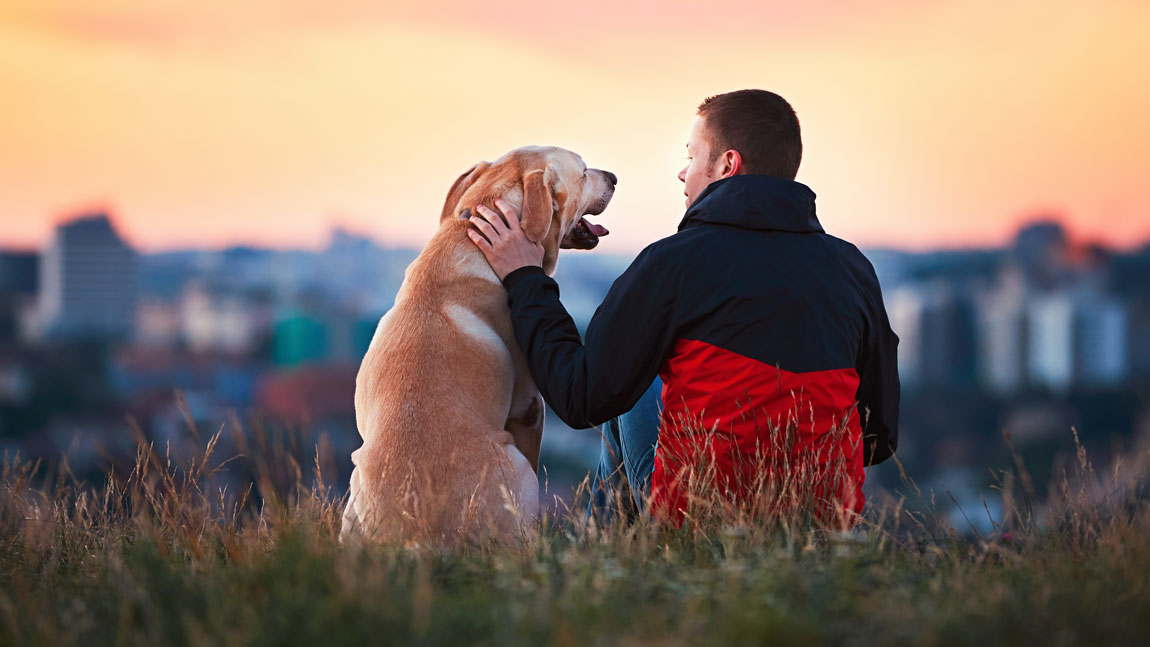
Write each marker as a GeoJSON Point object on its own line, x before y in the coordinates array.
{"type": "Point", "coordinates": [159, 555]}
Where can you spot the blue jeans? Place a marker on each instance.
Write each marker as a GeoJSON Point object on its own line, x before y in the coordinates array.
{"type": "Point", "coordinates": [627, 458]}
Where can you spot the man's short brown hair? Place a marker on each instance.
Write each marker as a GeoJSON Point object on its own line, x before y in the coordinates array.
{"type": "Point", "coordinates": [761, 125]}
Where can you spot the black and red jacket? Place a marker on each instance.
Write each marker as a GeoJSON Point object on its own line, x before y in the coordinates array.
{"type": "Point", "coordinates": [754, 318]}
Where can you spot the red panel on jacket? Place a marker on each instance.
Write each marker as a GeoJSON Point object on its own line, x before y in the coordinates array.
{"type": "Point", "coordinates": [776, 439]}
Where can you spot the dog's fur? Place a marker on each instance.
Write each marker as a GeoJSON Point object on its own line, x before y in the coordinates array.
{"type": "Point", "coordinates": [450, 417]}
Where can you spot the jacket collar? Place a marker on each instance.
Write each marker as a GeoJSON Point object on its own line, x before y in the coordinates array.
{"type": "Point", "coordinates": [756, 202]}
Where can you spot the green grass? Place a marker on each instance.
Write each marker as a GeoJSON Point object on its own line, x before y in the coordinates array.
{"type": "Point", "coordinates": [158, 556]}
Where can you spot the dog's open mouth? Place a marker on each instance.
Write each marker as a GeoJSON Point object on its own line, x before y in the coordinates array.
{"type": "Point", "coordinates": [585, 235]}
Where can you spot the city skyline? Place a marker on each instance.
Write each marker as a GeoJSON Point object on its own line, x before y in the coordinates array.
{"type": "Point", "coordinates": [207, 125]}
{"type": "Point", "coordinates": [1042, 314]}
{"type": "Point", "coordinates": [337, 229]}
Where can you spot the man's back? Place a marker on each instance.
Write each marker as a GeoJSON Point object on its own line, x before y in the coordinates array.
{"type": "Point", "coordinates": [773, 324]}
{"type": "Point", "coordinates": [753, 317]}
{"type": "Point", "coordinates": [796, 298]}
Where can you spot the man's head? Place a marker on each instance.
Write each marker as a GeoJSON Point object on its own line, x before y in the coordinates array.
{"type": "Point", "coordinates": [748, 131]}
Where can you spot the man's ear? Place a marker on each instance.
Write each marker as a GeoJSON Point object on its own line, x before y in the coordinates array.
{"type": "Point", "coordinates": [537, 212]}
{"type": "Point", "coordinates": [731, 163]}
{"type": "Point", "coordinates": [462, 184]}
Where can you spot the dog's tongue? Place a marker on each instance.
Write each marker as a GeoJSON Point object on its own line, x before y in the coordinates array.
{"type": "Point", "coordinates": [598, 230]}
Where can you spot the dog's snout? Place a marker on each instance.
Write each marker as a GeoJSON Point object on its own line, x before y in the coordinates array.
{"type": "Point", "coordinates": [611, 178]}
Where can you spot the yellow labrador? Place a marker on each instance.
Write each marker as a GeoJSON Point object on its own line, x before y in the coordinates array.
{"type": "Point", "coordinates": [450, 418]}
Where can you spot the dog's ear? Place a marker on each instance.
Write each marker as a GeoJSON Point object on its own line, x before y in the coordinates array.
{"type": "Point", "coordinates": [537, 203]}
{"type": "Point", "coordinates": [462, 184]}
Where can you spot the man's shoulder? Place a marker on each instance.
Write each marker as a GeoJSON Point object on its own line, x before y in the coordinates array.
{"type": "Point", "coordinates": [678, 239]}
{"type": "Point", "coordinates": [850, 252]}
{"type": "Point", "coordinates": [674, 245]}
{"type": "Point", "coordinates": [856, 263]}
{"type": "Point", "coordinates": [844, 247]}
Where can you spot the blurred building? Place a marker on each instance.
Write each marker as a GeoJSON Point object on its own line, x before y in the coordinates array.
{"type": "Point", "coordinates": [225, 320]}
{"type": "Point", "coordinates": [937, 336]}
{"type": "Point", "coordinates": [1050, 342]}
{"type": "Point", "coordinates": [904, 309]}
{"type": "Point", "coordinates": [299, 338]}
{"type": "Point", "coordinates": [321, 393]}
{"type": "Point", "coordinates": [19, 272]}
{"type": "Point", "coordinates": [1042, 252]}
{"type": "Point", "coordinates": [88, 281]}
{"type": "Point", "coordinates": [1101, 338]}
{"type": "Point", "coordinates": [1077, 339]}
{"type": "Point", "coordinates": [1128, 282]}
{"type": "Point", "coordinates": [19, 279]}
{"type": "Point", "coordinates": [158, 323]}
{"type": "Point", "coordinates": [1051, 321]}
{"type": "Point", "coordinates": [1002, 335]}
{"type": "Point", "coordinates": [1138, 336]}
{"type": "Point", "coordinates": [1054, 340]}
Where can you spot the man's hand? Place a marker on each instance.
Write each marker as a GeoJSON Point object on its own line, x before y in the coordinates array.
{"type": "Point", "coordinates": [504, 244]}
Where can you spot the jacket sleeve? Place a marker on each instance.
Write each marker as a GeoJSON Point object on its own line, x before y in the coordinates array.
{"type": "Point", "coordinates": [627, 341]}
{"type": "Point", "coordinates": [878, 391]}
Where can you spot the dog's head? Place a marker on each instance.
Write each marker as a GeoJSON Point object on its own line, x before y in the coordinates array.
{"type": "Point", "coordinates": [553, 190]}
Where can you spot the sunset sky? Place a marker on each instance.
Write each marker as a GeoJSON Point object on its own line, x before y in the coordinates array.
{"type": "Point", "coordinates": [925, 124]}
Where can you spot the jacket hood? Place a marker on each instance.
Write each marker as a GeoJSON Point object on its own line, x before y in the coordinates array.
{"type": "Point", "coordinates": [756, 202]}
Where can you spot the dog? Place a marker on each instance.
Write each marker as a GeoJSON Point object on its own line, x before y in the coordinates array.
{"type": "Point", "coordinates": [450, 417]}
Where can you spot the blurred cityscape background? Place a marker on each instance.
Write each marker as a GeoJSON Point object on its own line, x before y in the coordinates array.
{"type": "Point", "coordinates": [100, 343]}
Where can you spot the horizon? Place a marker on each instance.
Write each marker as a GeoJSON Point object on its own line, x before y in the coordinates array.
{"type": "Point", "coordinates": [925, 127]}
{"type": "Point", "coordinates": [1075, 241]}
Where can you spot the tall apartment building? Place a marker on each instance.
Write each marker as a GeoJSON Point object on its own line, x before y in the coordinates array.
{"type": "Point", "coordinates": [937, 334]}
{"type": "Point", "coordinates": [1077, 338]}
{"type": "Point", "coordinates": [1101, 343]}
{"type": "Point", "coordinates": [1051, 341]}
{"type": "Point", "coordinates": [88, 281]}
{"type": "Point", "coordinates": [18, 277]}
{"type": "Point", "coordinates": [1002, 339]}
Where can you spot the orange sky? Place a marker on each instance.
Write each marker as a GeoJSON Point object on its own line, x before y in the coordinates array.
{"type": "Point", "coordinates": [925, 123]}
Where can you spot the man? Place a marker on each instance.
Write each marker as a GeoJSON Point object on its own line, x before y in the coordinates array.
{"type": "Point", "coordinates": [764, 330]}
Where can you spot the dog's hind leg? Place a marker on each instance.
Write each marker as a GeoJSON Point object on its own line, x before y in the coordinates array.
{"type": "Point", "coordinates": [351, 531]}
{"type": "Point", "coordinates": [526, 427]}
{"type": "Point", "coordinates": [521, 493]}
